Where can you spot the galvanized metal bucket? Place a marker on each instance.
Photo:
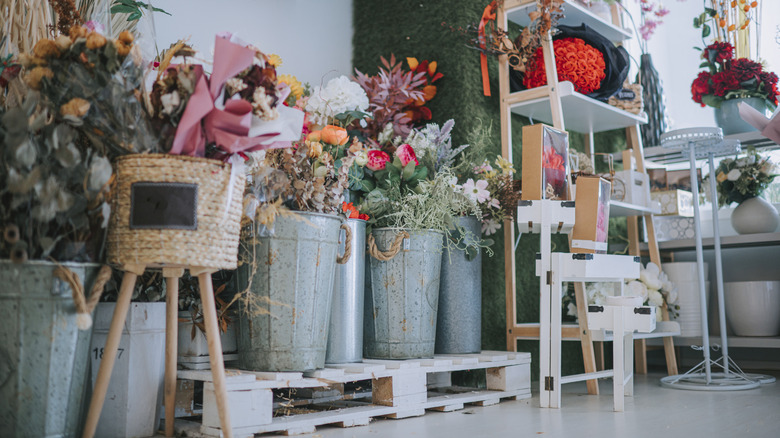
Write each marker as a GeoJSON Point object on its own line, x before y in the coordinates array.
{"type": "Point", "coordinates": [402, 301]}
{"type": "Point", "coordinates": [44, 357]}
{"type": "Point", "coordinates": [292, 278]}
{"type": "Point", "coordinates": [134, 395]}
{"type": "Point", "coordinates": [459, 324]}
{"type": "Point", "coordinates": [345, 335]}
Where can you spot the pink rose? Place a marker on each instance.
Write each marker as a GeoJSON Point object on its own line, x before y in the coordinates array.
{"type": "Point", "coordinates": [406, 154]}
{"type": "Point", "coordinates": [377, 160]}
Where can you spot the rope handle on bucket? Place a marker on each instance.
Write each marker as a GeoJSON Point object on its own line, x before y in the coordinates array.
{"type": "Point", "coordinates": [395, 248]}
{"type": "Point", "coordinates": [347, 245]}
{"type": "Point", "coordinates": [84, 305]}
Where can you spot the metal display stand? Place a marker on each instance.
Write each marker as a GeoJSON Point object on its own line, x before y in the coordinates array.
{"type": "Point", "coordinates": [699, 143]}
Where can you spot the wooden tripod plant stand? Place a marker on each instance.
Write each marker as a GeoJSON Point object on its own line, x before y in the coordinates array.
{"type": "Point", "coordinates": [172, 212]}
{"type": "Point", "coordinates": [171, 275]}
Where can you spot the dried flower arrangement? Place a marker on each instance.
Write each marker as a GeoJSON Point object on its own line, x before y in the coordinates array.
{"type": "Point", "coordinates": [53, 196]}
{"type": "Point", "coordinates": [490, 39]}
{"type": "Point", "coordinates": [93, 84]}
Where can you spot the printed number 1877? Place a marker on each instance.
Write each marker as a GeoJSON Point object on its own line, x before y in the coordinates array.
{"type": "Point", "coordinates": [99, 353]}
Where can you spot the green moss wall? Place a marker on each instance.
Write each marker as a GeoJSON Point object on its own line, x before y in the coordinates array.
{"type": "Point", "coordinates": [420, 29]}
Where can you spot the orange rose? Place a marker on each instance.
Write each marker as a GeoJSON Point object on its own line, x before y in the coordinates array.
{"type": "Point", "coordinates": [334, 135]}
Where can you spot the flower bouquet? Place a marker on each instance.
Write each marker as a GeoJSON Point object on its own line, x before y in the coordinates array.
{"type": "Point", "coordinates": [744, 178]}
{"type": "Point", "coordinates": [728, 78]}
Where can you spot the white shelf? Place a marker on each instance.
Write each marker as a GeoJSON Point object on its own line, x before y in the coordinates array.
{"type": "Point", "coordinates": [738, 241]}
{"type": "Point", "coordinates": [573, 15]}
{"type": "Point", "coordinates": [581, 113]}
{"type": "Point", "coordinates": [660, 332]}
{"type": "Point", "coordinates": [734, 341]}
{"type": "Point", "coordinates": [661, 155]}
{"type": "Point", "coordinates": [620, 209]}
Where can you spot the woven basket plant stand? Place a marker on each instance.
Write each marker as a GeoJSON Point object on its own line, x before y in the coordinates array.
{"type": "Point", "coordinates": [173, 213]}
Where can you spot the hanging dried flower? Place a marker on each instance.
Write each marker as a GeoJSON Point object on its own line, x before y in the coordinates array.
{"type": "Point", "coordinates": [76, 107]}
{"type": "Point", "coordinates": [11, 234]}
{"type": "Point", "coordinates": [46, 49]}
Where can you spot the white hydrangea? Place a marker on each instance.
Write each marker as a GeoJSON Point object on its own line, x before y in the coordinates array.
{"type": "Point", "coordinates": [339, 95]}
{"type": "Point", "coordinates": [598, 292]}
{"type": "Point", "coordinates": [386, 136]}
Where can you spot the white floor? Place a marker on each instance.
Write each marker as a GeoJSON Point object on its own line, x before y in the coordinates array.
{"type": "Point", "coordinates": [653, 412]}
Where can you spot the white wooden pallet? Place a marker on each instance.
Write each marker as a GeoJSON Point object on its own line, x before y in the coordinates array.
{"type": "Point", "coordinates": [399, 389]}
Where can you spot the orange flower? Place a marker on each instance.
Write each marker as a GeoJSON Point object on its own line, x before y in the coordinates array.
{"type": "Point", "coordinates": [314, 136]}
{"type": "Point", "coordinates": [334, 135]}
{"type": "Point", "coordinates": [412, 63]}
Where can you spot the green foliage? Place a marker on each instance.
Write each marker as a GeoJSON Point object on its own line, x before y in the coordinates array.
{"type": "Point", "coordinates": [133, 9]}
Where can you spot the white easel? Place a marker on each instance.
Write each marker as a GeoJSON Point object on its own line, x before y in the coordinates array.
{"type": "Point", "coordinates": [546, 217]}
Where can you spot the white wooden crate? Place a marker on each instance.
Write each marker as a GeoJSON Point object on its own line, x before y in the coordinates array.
{"type": "Point", "coordinates": [592, 267]}
{"type": "Point", "coordinates": [399, 389]}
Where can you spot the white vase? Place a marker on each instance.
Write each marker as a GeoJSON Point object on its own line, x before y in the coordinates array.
{"type": "Point", "coordinates": [755, 215]}
{"type": "Point", "coordinates": [753, 307]}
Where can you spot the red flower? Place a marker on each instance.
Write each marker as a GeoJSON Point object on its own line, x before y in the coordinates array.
{"type": "Point", "coordinates": [577, 62]}
{"type": "Point", "coordinates": [352, 212]}
{"type": "Point", "coordinates": [745, 69]}
{"type": "Point", "coordinates": [406, 154]}
{"type": "Point", "coordinates": [552, 160]}
{"type": "Point", "coordinates": [723, 82]}
{"type": "Point", "coordinates": [720, 51]}
{"type": "Point", "coordinates": [701, 87]}
{"type": "Point", "coordinates": [377, 160]}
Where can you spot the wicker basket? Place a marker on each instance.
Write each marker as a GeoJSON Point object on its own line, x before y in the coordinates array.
{"type": "Point", "coordinates": [212, 241]}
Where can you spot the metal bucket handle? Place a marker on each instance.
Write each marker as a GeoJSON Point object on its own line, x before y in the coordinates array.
{"type": "Point", "coordinates": [84, 306]}
{"type": "Point", "coordinates": [395, 248]}
{"type": "Point", "coordinates": [347, 245]}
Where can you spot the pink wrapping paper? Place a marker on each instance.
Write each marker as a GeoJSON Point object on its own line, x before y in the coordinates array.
{"type": "Point", "coordinates": [229, 127]}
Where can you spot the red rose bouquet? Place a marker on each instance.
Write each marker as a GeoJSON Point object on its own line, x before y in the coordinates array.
{"type": "Point", "coordinates": [728, 78]}
{"type": "Point", "coordinates": [577, 62]}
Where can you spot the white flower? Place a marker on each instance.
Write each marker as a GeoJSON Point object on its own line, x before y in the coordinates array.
{"type": "Point", "coordinates": [453, 183]}
{"type": "Point", "coordinates": [476, 191]}
{"type": "Point", "coordinates": [671, 296]}
{"type": "Point", "coordinates": [98, 174]}
{"type": "Point", "coordinates": [386, 136]}
{"type": "Point", "coordinates": [339, 95]}
{"type": "Point", "coordinates": [571, 309]}
{"type": "Point", "coordinates": [170, 102]}
{"type": "Point", "coordinates": [361, 158]}
{"type": "Point", "coordinates": [650, 279]}
{"type": "Point", "coordinates": [490, 226]}
{"type": "Point", "coordinates": [494, 203]}
{"type": "Point", "coordinates": [262, 104]}
{"type": "Point", "coordinates": [654, 298]}
{"type": "Point", "coordinates": [636, 288]}
{"type": "Point", "coordinates": [733, 175]}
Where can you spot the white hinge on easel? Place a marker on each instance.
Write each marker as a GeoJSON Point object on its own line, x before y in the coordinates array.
{"type": "Point", "coordinates": [549, 383]}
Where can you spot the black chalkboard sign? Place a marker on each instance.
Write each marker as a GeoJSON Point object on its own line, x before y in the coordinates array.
{"type": "Point", "coordinates": [161, 205]}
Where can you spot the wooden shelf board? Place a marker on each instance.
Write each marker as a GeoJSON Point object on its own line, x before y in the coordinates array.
{"type": "Point", "coordinates": [738, 241]}
{"type": "Point", "coordinates": [620, 209]}
{"type": "Point", "coordinates": [582, 114]}
{"type": "Point", "coordinates": [573, 15]}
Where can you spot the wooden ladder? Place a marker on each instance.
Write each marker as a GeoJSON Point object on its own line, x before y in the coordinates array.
{"type": "Point", "coordinates": [633, 142]}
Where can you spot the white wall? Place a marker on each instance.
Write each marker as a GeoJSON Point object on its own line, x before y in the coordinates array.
{"type": "Point", "coordinates": [678, 62]}
{"type": "Point", "coordinates": [313, 37]}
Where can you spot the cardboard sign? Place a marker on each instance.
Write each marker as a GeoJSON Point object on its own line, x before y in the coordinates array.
{"type": "Point", "coordinates": [545, 163]}
{"type": "Point", "coordinates": [591, 221]}
{"type": "Point", "coordinates": [160, 205]}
